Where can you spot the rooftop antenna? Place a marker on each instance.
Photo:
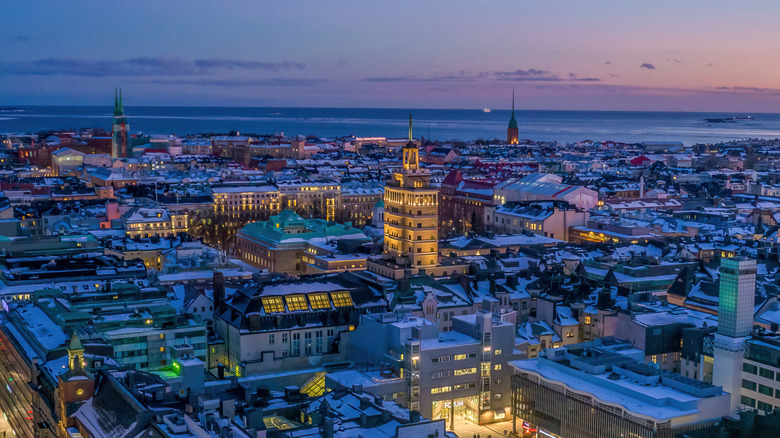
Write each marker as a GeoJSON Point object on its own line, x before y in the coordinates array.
{"type": "Point", "coordinates": [410, 127]}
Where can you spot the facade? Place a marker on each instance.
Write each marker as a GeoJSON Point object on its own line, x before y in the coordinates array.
{"type": "Point", "coordinates": [311, 199]}
{"type": "Point", "coordinates": [290, 325]}
{"type": "Point", "coordinates": [238, 200]}
{"type": "Point", "coordinates": [602, 389]}
{"type": "Point", "coordinates": [120, 138]}
{"type": "Point", "coordinates": [735, 324]}
{"type": "Point", "coordinates": [463, 203]}
{"type": "Point", "coordinates": [461, 373]}
{"type": "Point", "coordinates": [411, 213]}
{"type": "Point", "coordinates": [148, 222]}
{"type": "Point", "coordinates": [358, 203]}
{"type": "Point", "coordinates": [549, 219]}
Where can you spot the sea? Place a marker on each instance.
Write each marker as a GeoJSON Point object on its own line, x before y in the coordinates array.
{"type": "Point", "coordinates": [438, 124]}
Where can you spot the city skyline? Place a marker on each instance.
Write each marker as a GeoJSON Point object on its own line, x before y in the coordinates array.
{"type": "Point", "coordinates": [606, 55]}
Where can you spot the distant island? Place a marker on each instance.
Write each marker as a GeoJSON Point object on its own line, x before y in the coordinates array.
{"type": "Point", "coordinates": [728, 119]}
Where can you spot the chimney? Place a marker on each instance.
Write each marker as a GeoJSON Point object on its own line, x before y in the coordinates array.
{"type": "Point", "coordinates": [357, 389]}
{"type": "Point", "coordinates": [221, 371]}
{"type": "Point", "coordinates": [327, 428]}
{"type": "Point", "coordinates": [219, 291]}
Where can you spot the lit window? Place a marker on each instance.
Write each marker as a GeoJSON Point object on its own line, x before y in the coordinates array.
{"type": "Point", "coordinates": [319, 300]}
{"type": "Point", "coordinates": [341, 299]}
{"type": "Point", "coordinates": [296, 302]}
{"type": "Point", "coordinates": [273, 304]}
{"type": "Point", "coordinates": [79, 391]}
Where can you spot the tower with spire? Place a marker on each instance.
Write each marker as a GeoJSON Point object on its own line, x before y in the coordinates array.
{"type": "Point", "coordinates": [511, 132]}
{"type": "Point", "coordinates": [411, 213]}
{"type": "Point", "coordinates": [120, 136]}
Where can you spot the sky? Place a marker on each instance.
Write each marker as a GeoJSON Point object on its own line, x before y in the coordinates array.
{"type": "Point", "coordinates": [691, 55]}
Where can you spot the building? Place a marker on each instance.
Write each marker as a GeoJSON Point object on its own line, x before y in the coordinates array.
{"type": "Point", "coordinates": [120, 137]}
{"type": "Point", "coordinates": [463, 203]}
{"type": "Point", "coordinates": [549, 219]}
{"type": "Point", "coordinates": [735, 324]}
{"type": "Point", "coordinates": [148, 222]}
{"type": "Point", "coordinates": [290, 244]}
{"type": "Point", "coordinates": [602, 389]}
{"type": "Point", "coordinates": [511, 130]}
{"type": "Point", "coordinates": [238, 200]}
{"type": "Point", "coordinates": [411, 213]}
{"type": "Point", "coordinates": [358, 203]}
{"type": "Point", "coordinates": [544, 187]}
{"type": "Point", "coordinates": [443, 375]}
{"type": "Point", "coordinates": [291, 325]}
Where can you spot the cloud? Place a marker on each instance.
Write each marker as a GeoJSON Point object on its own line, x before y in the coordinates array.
{"type": "Point", "coordinates": [227, 64]}
{"type": "Point", "coordinates": [272, 82]}
{"type": "Point", "coordinates": [709, 65]}
{"type": "Point", "coordinates": [607, 62]}
{"type": "Point", "coordinates": [676, 61]}
{"type": "Point", "coordinates": [530, 75]}
{"type": "Point", "coordinates": [770, 91]}
{"type": "Point", "coordinates": [648, 66]}
{"type": "Point", "coordinates": [146, 66]}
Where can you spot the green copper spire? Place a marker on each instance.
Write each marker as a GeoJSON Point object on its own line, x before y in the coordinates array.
{"type": "Point", "coordinates": [512, 121]}
{"type": "Point", "coordinates": [119, 108]}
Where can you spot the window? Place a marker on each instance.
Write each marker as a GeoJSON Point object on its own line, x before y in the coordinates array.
{"type": "Point", "coordinates": [749, 368]}
{"type": "Point", "coordinates": [587, 320]}
{"type": "Point", "coordinates": [747, 384]}
{"type": "Point", "coordinates": [497, 396]}
{"type": "Point", "coordinates": [766, 407]}
{"type": "Point", "coordinates": [498, 352]}
{"type": "Point", "coordinates": [441, 389]}
{"type": "Point", "coordinates": [341, 299]}
{"type": "Point", "coordinates": [459, 357]}
{"type": "Point", "coordinates": [273, 304]}
{"type": "Point", "coordinates": [464, 371]}
{"type": "Point", "coordinates": [747, 401]}
{"type": "Point", "coordinates": [766, 390]}
{"type": "Point", "coordinates": [271, 339]}
{"type": "Point", "coordinates": [497, 367]}
{"type": "Point", "coordinates": [284, 338]}
{"type": "Point", "coordinates": [319, 300]}
{"type": "Point", "coordinates": [296, 302]}
{"type": "Point", "coordinates": [769, 374]}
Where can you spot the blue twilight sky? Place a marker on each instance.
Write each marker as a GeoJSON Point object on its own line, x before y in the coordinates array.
{"type": "Point", "coordinates": [557, 54]}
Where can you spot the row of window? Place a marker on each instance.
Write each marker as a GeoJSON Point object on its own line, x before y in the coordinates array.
{"type": "Point", "coordinates": [753, 403]}
{"type": "Point", "coordinates": [454, 357]}
{"type": "Point", "coordinates": [760, 371]}
{"type": "Point", "coordinates": [318, 300]}
{"type": "Point", "coordinates": [459, 372]}
{"type": "Point", "coordinates": [444, 389]}
{"type": "Point", "coordinates": [761, 389]}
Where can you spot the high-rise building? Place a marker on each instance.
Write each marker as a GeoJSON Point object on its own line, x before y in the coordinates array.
{"type": "Point", "coordinates": [120, 137]}
{"type": "Point", "coordinates": [735, 324]}
{"type": "Point", "coordinates": [411, 212]}
{"type": "Point", "coordinates": [511, 132]}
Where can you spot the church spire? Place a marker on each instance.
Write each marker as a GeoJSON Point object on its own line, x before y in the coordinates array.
{"type": "Point", "coordinates": [511, 131]}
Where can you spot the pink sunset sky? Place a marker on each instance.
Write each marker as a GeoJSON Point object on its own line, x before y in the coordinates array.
{"type": "Point", "coordinates": [557, 54]}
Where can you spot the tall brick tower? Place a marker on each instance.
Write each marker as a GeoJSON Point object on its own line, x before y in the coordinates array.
{"type": "Point", "coordinates": [511, 131]}
{"type": "Point", "coordinates": [120, 137]}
